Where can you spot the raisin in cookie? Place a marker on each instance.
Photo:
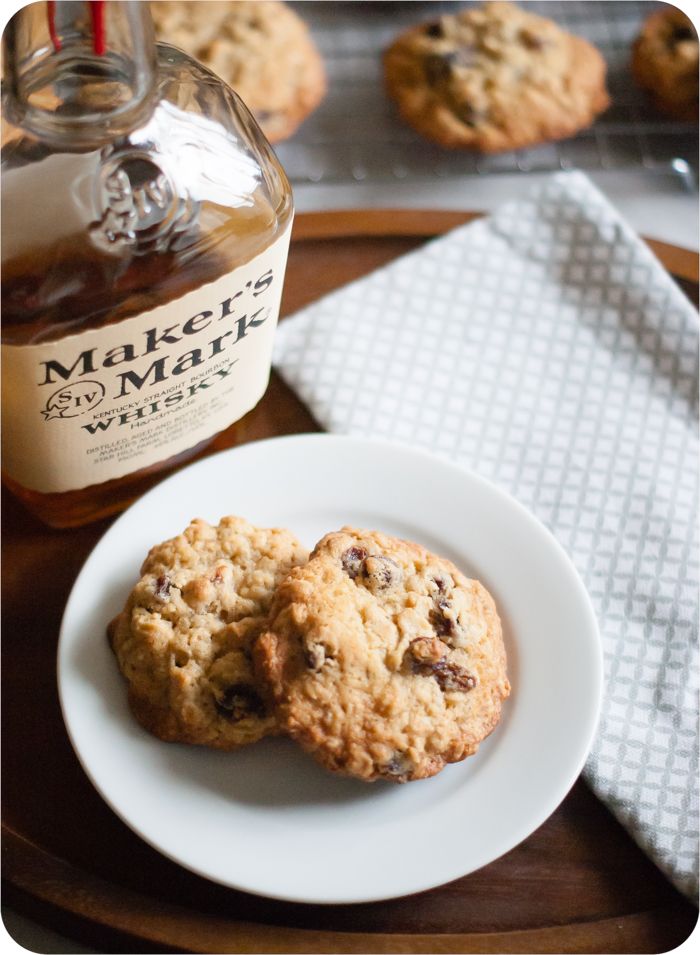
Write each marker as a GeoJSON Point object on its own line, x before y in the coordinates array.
{"type": "Point", "coordinates": [183, 640]}
{"type": "Point", "coordinates": [495, 78]}
{"type": "Point", "coordinates": [665, 63]}
{"type": "Point", "coordinates": [262, 49]}
{"type": "Point", "coordinates": [382, 659]}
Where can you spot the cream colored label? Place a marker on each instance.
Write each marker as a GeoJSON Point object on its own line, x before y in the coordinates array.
{"type": "Point", "coordinates": [104, 403]}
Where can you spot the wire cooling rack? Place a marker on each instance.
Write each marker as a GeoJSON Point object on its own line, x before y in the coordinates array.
{"type": "Point", "coordinates": [356, 134]}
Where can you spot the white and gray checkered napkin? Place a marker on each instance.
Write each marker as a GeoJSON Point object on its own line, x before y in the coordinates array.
{"type": "Point", "coordinates": [546, 348]}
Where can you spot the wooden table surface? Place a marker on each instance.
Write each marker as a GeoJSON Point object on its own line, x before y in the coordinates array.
{"type": "Point", "coordinates": [577, 884]}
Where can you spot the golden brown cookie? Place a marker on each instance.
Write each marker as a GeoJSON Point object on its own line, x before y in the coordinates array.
{"type": "Point", "coordinates": [260, 47]}
{"type": "Point", "coordinates": [495, 78]}
{"type": "Point", "coordinates": [382, 659]}
{"type": "Point", "coordinates": [665, 63]}
{"type": "Point", "coordinates": [183, 641]}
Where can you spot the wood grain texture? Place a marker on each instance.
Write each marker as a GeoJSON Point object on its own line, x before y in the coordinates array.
{"type": "Point", "coordinates": [578, 884]}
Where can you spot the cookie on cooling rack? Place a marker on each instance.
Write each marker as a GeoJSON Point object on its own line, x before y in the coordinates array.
{"type": "Point", "coordinates": [259, 47]}
{"type": "Point", "coordinates": [183, 641]}
{"type": "Point", "coordinates": [494, 78]}
{"type": "Point", "coordinates": [665, 63]}
{"type": "Point", "coordinates": [382, 659]}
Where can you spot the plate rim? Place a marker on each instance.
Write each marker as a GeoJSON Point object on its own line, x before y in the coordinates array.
{"type": "Point", "coordinates": [547, 807]}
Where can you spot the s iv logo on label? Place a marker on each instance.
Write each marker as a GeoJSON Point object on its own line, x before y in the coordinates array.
{"type": "Point", "coordinates": [73, 400]}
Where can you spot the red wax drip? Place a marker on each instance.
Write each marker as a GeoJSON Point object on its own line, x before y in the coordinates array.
{"type": "Point", "coordinates": [51, 10]}
{"type": "Point", "coordinates": [97, 11]}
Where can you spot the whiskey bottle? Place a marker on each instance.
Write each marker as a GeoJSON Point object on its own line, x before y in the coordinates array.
{"type": "Point", "coordinates": [145, 229]}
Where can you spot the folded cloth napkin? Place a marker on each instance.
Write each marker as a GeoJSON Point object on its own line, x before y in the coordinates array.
{"type": "Point", "coordinates": [546, 348]}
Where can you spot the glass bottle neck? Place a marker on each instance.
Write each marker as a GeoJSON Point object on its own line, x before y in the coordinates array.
{"type": "Point", "coordinates": [79, 73]}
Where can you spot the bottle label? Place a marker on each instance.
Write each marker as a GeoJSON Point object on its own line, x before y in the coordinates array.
{"type": "Point", "coordinates": [106, 402]}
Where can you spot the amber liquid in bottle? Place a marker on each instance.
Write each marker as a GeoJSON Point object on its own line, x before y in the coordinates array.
{"type": "Point", "coordinates": [88, 298]}
{"type": "Point", "coordinates": [65, 281]}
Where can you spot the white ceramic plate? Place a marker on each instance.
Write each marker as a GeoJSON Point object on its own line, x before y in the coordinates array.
{"type": "Point", "coordinates": [268, 819]}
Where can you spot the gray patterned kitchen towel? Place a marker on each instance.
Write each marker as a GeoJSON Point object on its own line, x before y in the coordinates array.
{"type": "Point", "coordinates": [546, 348]}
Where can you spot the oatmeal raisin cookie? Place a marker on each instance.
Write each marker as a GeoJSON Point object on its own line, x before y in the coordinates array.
{"type": "Point", "coordinates": [183, 641]}
{"type": "Point", "coordinates": [495, 78]}
{"type": "Point", "coordinates": [259, 47]}
{"type": "Point", "coordinates": [665, 62]}
{"type": "Point", "coordinates": [382, 659]}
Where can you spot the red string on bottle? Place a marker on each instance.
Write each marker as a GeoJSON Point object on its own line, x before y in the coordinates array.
{"type": "Point", "coordinates": [51, 12]}
{"type": "Point", "coordinates": [98, 26]}
{"type": "Point", "coordinates": [97, 9]}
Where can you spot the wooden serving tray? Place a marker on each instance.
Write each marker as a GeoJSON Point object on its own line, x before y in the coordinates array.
{"type": "Point", "coordinates": [577, 884]}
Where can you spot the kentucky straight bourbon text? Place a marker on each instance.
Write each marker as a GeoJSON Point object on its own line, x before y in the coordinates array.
{"type": "Point", "coordinates": [145, 230]}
